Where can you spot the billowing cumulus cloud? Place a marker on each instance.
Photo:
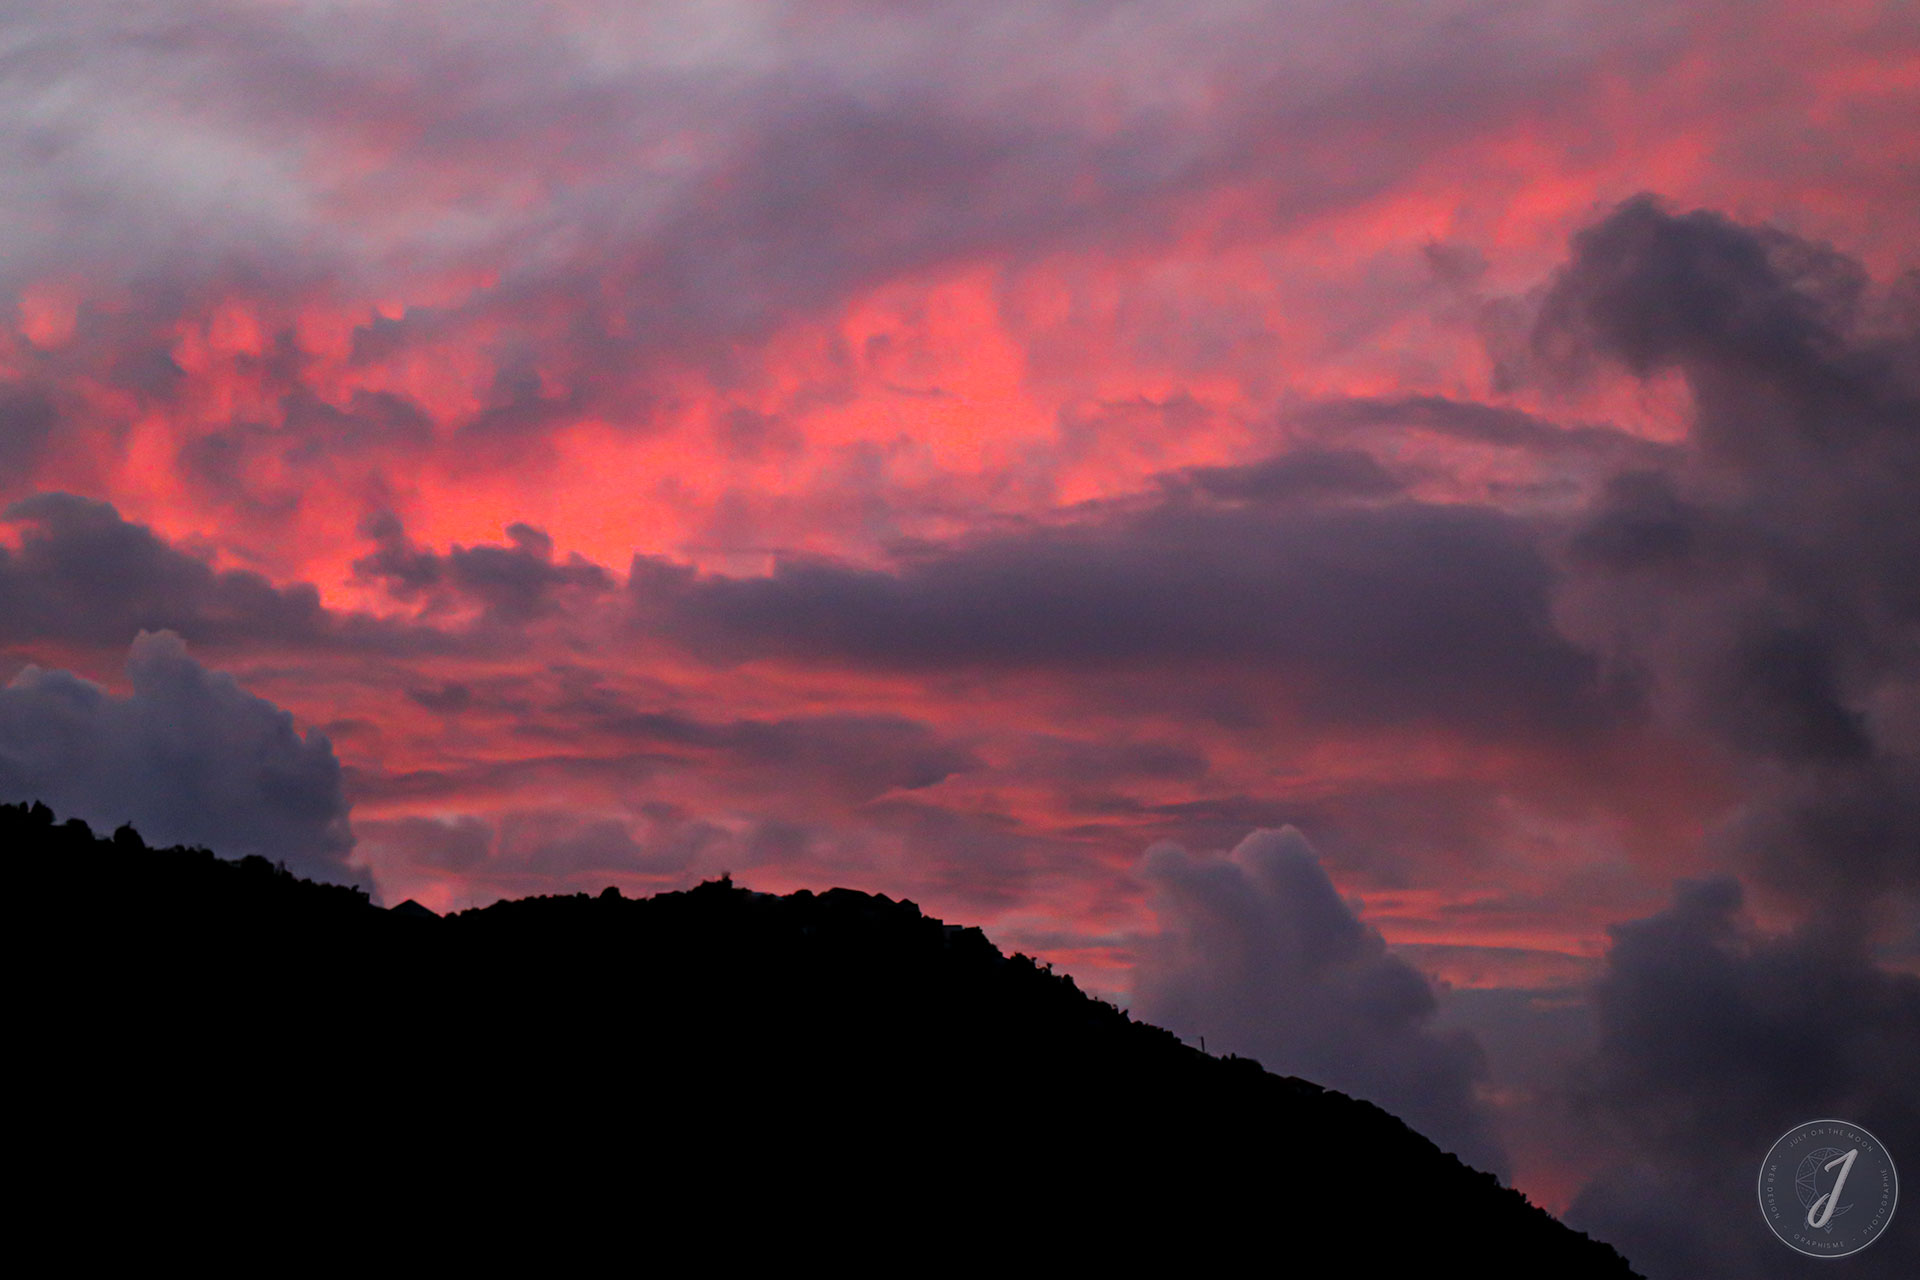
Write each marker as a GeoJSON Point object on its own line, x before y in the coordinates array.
{"type": "Point", "coordinates": [1715, 1038]}
{"type": "Point", "coordinates": [1758, 590]}
{"type": "Point", "coordinates": [188, 757]}
{"type": "Point", "coordinates": [1763, 585]}
{"type": "Point", "coordinates": [1259, 954]}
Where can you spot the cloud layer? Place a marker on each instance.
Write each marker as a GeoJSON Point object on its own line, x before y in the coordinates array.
{"type": "Point", "coordinates": [187, 757]}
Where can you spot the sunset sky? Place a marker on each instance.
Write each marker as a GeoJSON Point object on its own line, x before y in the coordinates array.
{"type": "Point", "coordinates": [1199, 490]}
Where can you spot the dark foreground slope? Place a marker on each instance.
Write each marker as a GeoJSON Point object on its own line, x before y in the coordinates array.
{"type": "Point", "coordinates": [230, 1064]}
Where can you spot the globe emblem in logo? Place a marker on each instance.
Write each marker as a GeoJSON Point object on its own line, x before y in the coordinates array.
{"type": "Point", "coordinates": [1843, 1188]}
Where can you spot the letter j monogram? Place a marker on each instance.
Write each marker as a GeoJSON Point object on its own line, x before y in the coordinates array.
{"type": "Point", "coordinates": [1820, 1212]}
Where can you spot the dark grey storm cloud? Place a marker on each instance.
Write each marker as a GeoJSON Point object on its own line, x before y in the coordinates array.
{"type": "Point", "coordinates": [189, 757]}
{"type": "Point", "coordinates": [1302, 474]}
{"type": "Point", "coordinates": [27, 419]}
{"type": "Point", "coordinates": [1762, 587]}
{"type": "Point", "coordinates": [512, 584]}
{"type": "Point", "coordinates": [1370, 613]}
{"type": "Point", "coordinates": [83, 575]}
{"type": "Point", "coordinates": [1501, 426]}
{"type": "Point", "coordinates": [1714, 1040]}
{"type": "Point", "coordinates": [1258, 953]}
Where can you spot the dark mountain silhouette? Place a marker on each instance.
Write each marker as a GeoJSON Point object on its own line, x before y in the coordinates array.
{"type": "Point", "coordinates": [225, 1059]}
